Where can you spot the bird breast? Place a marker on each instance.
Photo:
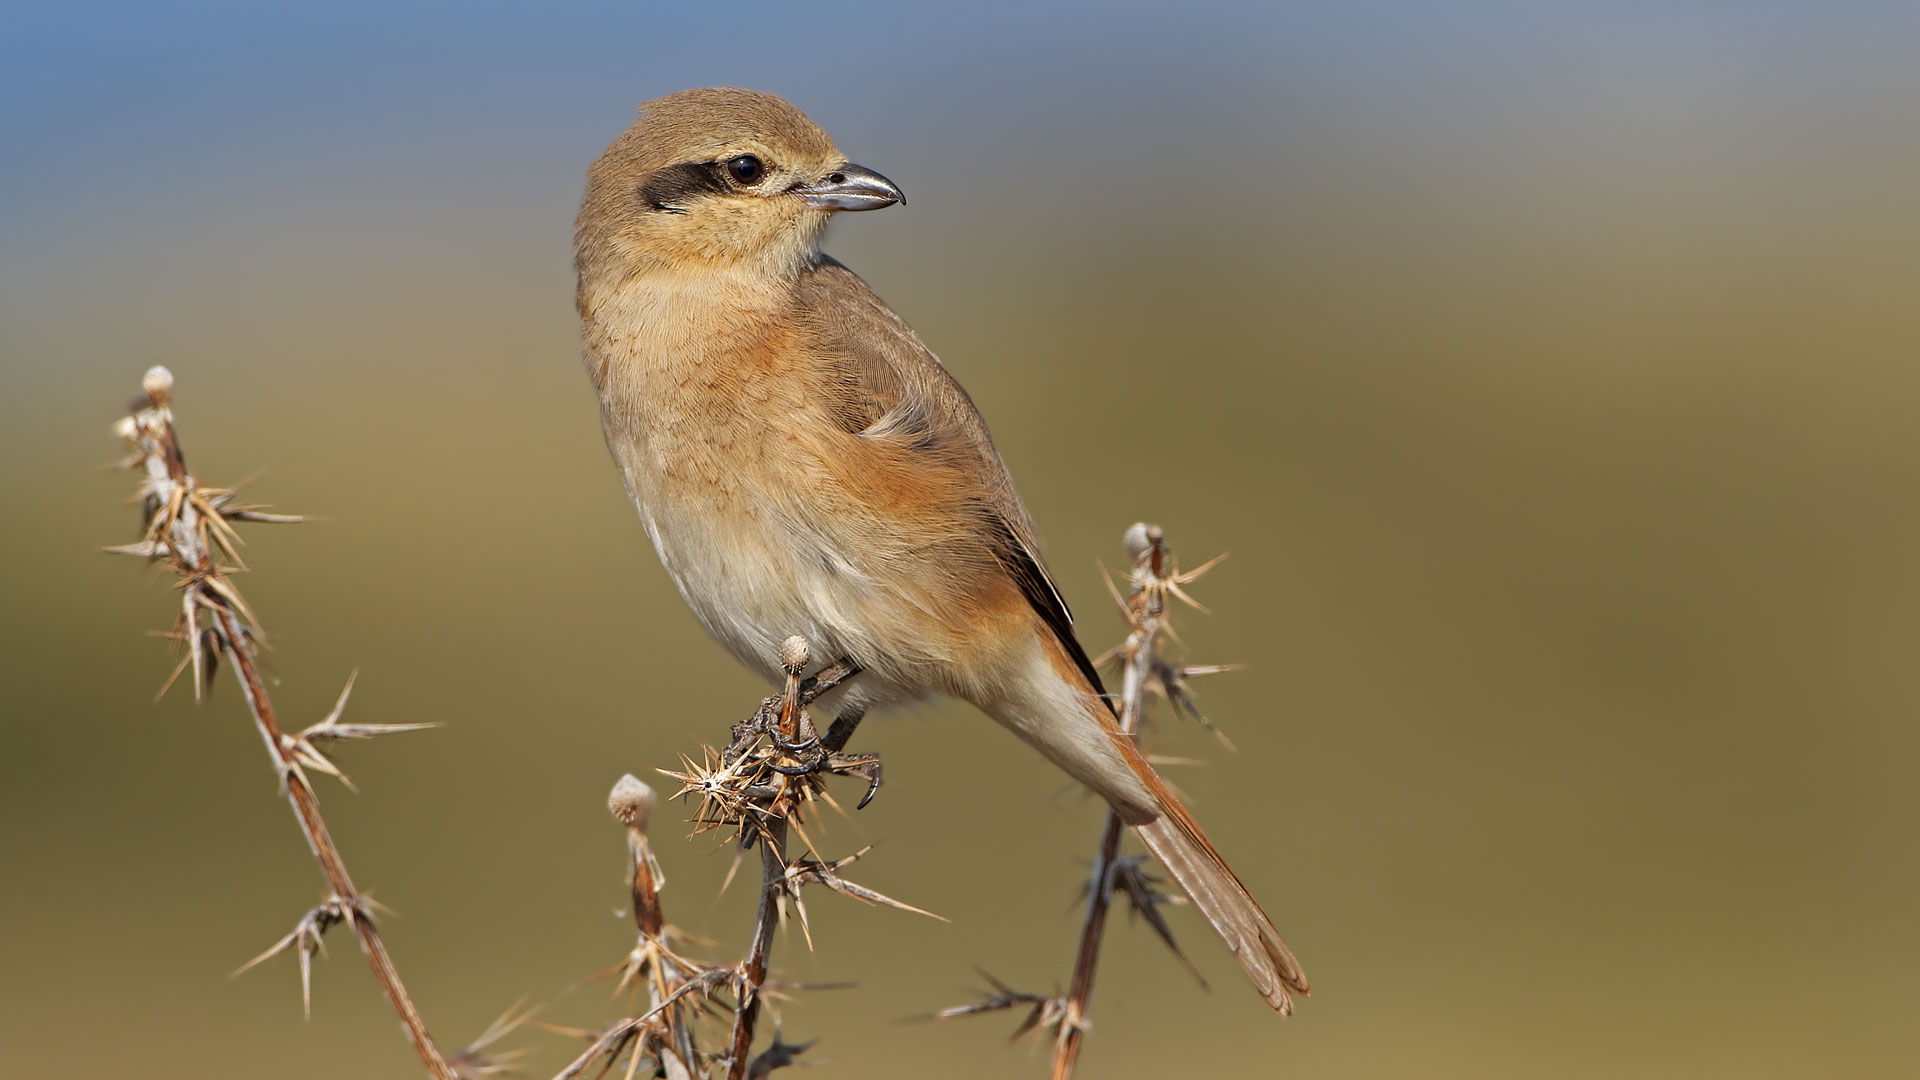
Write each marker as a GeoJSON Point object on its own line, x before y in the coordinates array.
{"type": "Point", "coordinates": [708, 411]}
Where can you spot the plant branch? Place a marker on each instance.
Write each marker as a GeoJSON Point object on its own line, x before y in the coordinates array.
{"type": "Point", "coordinates": [758, 786]}
{"type": "Point", "coordinates": [187, 525]}
{"type": "Point", "coordinates": [1145, 607]}
{"type": "Point", "coordinates": [772, 838]}
{"type": "Point", "coordinates": [753, 972]}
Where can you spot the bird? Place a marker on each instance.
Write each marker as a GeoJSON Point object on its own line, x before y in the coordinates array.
{"type": "Point", "coordinates": [804, 464]}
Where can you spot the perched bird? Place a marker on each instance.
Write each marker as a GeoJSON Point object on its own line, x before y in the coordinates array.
{"type": "Point", "coordinates": [804, 465]}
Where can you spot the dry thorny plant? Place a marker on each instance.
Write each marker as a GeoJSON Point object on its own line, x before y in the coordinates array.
{"type": "Point", "coordinates": [760, 791]}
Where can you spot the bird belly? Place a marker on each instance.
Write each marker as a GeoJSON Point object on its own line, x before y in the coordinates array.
{"type": "Point", "coordinates": [753, 579]}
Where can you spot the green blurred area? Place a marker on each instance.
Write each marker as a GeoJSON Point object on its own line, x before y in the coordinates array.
{"type": "Point", "coordinates": [1565, 449]}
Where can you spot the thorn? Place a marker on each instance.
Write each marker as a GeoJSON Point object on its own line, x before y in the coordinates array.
{"type": "Point", "coordinates": [304, 940]}
{"type": "Point", "coordinates": [471, 1061]}
{"type": "Point", "coordinates": [331, 728]}
{"type": "Point", "coordinates": [780, 1055]}
{"type": "Point", "coordinates": [812, 872]}
{"type": "Point", "coordinates": [1046, 1011]}
{"type": "Point", "coordinates": [1130, 879]}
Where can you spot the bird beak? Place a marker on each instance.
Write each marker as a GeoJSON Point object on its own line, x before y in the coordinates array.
{"type": "Point", "coordinates": [851, 187]}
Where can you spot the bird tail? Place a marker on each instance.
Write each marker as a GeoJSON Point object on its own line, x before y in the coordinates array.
{"type": "Point", "coordinates": [1059, 710]}
{"type": "Point", "coordinates": [1177, 841]}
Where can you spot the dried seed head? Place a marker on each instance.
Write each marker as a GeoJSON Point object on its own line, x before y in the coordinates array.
{"type": "Point", "coordinates": [793, 654]}
{"type": "Point", "coordinates": [1141, 538]}
{"type": "Point", "coordinates": [631, 802]}
{"type": "Point", "coordinates": [158, 383]}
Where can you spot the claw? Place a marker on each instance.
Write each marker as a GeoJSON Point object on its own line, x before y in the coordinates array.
{"type": "Point", "coordinates": [865, 766]}
{"type": "Point", "coordinates": [805, 767]}
{"type": "Point", "coordinates": [801, 747]}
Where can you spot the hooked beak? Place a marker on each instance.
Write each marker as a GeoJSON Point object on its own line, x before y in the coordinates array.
{"type": "Point", "coordinates": [851, 187]}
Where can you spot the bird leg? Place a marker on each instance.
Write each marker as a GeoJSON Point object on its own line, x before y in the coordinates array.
{"type": "Point", "coordinates": [842, 729]}
{"type": "Point", "coordinates": [829, 678]}
{"type": "Point", "coordinates": [766, 720]}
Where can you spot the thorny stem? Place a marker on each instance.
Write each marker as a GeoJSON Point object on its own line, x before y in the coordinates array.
{"type": "Point", "coordinates": [166, 466]}
{"type": "Point", "coordinates": [772, 838]}
{"type": "Point", "coordinates": [759, 786]}
{"type": "Point", "coordinates": [306, 808]}
{"type": "Point", "coordinates": [1139, 654]}
{"type": "Point", "coordinates": [753, 973]}
{"type": "Point", "coordinates": [632, 804]}
{"type": "Point", "coordinates": [1066, 1052]}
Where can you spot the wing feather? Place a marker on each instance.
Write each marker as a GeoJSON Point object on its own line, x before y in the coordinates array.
{"type": "Point", "coordinates": [887, 385]}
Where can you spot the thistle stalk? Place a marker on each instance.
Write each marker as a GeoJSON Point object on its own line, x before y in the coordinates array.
{"type": "Point", "coordinates": [189, 526]}
{"type": "Point", "coordinates": [1147, 607]}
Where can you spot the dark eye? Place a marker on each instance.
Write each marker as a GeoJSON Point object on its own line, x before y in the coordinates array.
{"type": "Point", "coordinates": [746, 170]}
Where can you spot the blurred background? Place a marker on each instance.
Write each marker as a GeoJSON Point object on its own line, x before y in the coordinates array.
{"type": "Point", "coordinates": [1548, 370]}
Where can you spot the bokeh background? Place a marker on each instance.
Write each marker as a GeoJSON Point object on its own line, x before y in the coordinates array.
{"type": "Point", "coordinates": [1549, 371]}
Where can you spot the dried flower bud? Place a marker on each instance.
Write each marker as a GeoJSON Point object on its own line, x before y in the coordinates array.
{"type": "Point", "coordinates": [158, 383]}
{"type": "Point", "coordinates": [1141, 538]}
{"type": "Point", "coordinates": [793, 654]}
{"type": "Point", "coordinates": [631, 802]}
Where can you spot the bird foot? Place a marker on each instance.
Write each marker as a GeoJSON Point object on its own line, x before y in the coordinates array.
{"type": "Point", "coordinates": [813, 758]}
{"type": "Point", "coordinates": [810, 755]}
{"type": "Point", "coordinates": [766, 719]}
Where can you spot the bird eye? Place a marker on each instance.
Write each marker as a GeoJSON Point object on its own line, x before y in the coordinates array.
{"type": "Point", "coordinates": [746, 170]}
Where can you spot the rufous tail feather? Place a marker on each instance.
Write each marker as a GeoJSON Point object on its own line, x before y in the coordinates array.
{"type": "Point", "coordinates": [1177, 841]}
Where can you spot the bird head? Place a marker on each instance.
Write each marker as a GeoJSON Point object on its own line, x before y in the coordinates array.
{"type": "Point", "coordinates": [718, 179]}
